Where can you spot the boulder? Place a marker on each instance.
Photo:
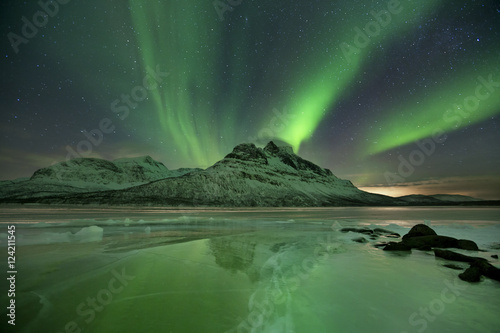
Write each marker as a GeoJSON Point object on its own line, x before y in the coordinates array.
{"type": "Point", "coordinates": [471, 274]}
{"type": "Point", "coordinates": [419, 230]}
{"type": "Point", "coordinates": [450, 255]}
{"type": "Point", "coordinates": [430, 241]}
{"type": "Point", "coordinates": [425, 242]}
{"type": "Point", "coordinates": [467, 245]}
{"type": "Point", "coordinates": [488, 270]}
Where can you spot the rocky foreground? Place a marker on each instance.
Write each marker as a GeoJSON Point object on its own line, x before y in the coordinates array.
{"type": "Point", "coordinates": [423, 238]}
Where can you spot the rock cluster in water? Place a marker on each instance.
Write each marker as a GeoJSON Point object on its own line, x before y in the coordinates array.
{"type": "Point", "coordinates": [422, 237]}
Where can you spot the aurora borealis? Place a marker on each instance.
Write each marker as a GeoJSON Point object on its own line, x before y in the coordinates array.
{"type": "Point", "coordinates": [352, 86]}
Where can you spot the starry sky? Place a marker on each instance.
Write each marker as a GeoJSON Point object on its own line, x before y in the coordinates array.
{"type": "Point", "coordinates": [400, 97]}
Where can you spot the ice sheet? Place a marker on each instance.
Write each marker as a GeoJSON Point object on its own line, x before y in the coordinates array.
{"type": "Point", "coordinates": [286, 273]}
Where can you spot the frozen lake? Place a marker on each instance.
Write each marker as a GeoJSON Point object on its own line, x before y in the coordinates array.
{"type": "Point", "coordinates": [242, 270]}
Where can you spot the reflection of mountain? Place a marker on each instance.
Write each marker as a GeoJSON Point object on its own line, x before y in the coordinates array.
{"type": "Point", "coordinates": [233, 255]}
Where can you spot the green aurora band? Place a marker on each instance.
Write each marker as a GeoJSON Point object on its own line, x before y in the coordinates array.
{"type": "Point", "coordinates": [182, 102]}
{"type": "Point", "coordinates": [332, 77]}
{"type": "Point", "coordinates": [468, 98]}
{"type": "Point", "coordinates": [195, 110]}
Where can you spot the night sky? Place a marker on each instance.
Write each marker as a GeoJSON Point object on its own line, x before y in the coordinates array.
{"type": "Point", "coordinates": [399, 97]}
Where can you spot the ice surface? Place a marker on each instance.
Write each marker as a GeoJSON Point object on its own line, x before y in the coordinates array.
{"type": "Point", "coordinates": [259, 271]}
{"type": "Point", "coordinates": [89, 234]}
{"type": "Point", "coordinates": [84, 235]}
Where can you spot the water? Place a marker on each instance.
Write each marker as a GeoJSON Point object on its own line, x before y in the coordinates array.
{"type": "Point", "coordinates": [245, 270]}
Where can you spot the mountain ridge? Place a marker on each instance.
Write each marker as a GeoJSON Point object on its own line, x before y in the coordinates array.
{"type": "Point", "coordinates": [273, 176]}
{"type": "Point", "coordinates": [81, 175]}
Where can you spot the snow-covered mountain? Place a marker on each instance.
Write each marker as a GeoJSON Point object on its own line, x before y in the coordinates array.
{"type": "Point", "coordinates": [81, 175]}
{"type": "Point", "coordinates": [97, 171]}
{"type": "Point", "coordinates": [248, 176]}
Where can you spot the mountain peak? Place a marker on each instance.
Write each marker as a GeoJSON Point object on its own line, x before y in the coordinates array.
{"type": "Point", "coordinates": [247, 152]}
{"type": "Point", "coordinates": [273, 148]}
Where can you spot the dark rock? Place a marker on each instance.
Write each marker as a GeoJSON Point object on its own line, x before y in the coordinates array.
{"type": "Point", "coordinates": [378, 245]}
{"type": "Point", "coordinates": [467, 245]}
{"type": "Point", "coordinates": [385, 232]}
{"type": "Point", "coordinates": [488, 270]}
{"type": "Point", "coordinates": [374, 234]}
{"type": "Point", "coordinates": [471, 274]}
{"type": "Point", "coordinates": [453, 266]}
{"type": "Point", "coordinates": [419, 230]}
{"type": "Point", "coordinates": [495, 256]}
{"type": "Point", "coordinates": [364, 231]}
{"type": "Point", "coordinates": [424, 248]}
{"type": "Point", "coordinates": [422, 237]}
{"type": "Point", "coordinates": [478, 266]}
{"type": "Point", "coordinates": [450, 255]}
{"type": "Point", "coordinates": [382, 231]}
{"type": "Point", "coordinates": [430, 241]}
{"type": "Point", "coordinates": [360, 240]}
{"type": "Point", "coordinates": [393, 246]}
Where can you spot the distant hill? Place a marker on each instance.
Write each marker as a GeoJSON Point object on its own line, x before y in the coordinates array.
{"type": "Point", "coordinates": [420, 198]}
{"type": "Point", "coordinates": [455, 198]}
{"type": "Point", "coordinates": [445, 200]}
